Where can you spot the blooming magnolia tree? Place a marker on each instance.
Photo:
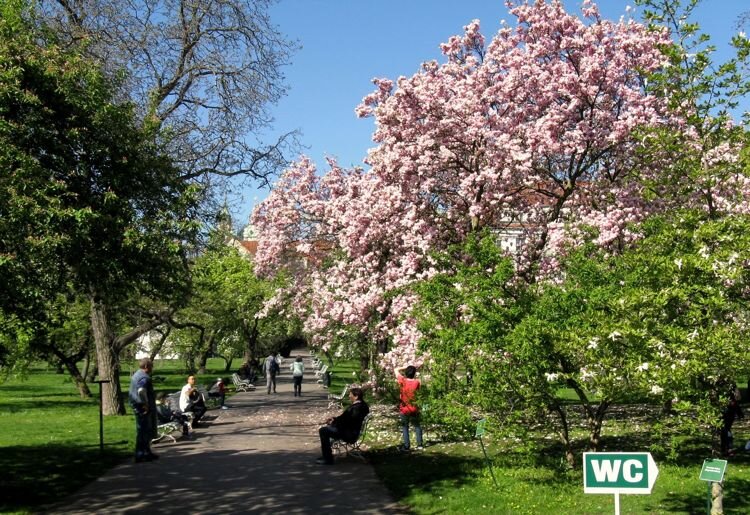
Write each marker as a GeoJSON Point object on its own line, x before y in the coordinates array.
{"type": "Point", "coordinates": [537, 130]}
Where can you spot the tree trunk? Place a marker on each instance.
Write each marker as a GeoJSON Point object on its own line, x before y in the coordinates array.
{"type": "Point", "coordinates": [107, 359]}
{"type": "Point", "coordinates": [206, 352]}
{"type": "Point", "coordinates": [564, 434]}
{"type": "Point", "coordinates": [595, 423]}
{"type": "Point", "coordinates": [156, 349]}
{"type": "Point", "coordinates": [78, 378]}
{"type": "Point", "coordinates": [251, 333]}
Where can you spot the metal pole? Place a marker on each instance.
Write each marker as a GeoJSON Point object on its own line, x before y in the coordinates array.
{"type": "Point", "coordinates": [617, 503]}
{"type": "Point", "coordinates": [489, 463]}
{"type": "Point", "coordinates": [708, 498]}
{"type": "Point", "coordinates": [101, 414]}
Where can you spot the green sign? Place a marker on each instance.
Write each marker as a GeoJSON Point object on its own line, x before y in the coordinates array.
{"type": "Point", "coordinates": [713, 470]}
{"type": "Point", "coordinates": [618, 472]}
{"type": "Point", "coordinates": [480, 428]}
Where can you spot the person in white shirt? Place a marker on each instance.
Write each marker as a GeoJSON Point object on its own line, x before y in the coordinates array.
{"type": "Point", "coordinates": [191, 400]}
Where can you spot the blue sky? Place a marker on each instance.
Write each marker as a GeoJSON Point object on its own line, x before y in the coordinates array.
{"type": "Point", "coordinates": [346, 43]}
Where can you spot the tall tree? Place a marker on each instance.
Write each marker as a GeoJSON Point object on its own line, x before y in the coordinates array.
{"type": "Point", "coordinates": [536, 132]}
{"type": "Point", "coordinates": [202, 75]}
{"type": "Point", "coordinates": [91, 201]}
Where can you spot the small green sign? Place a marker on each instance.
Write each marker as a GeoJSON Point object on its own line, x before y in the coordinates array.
{"type": "Point", "coordinates": [713, 470]}
{"type": "Point", "coordinates": [480, 428]}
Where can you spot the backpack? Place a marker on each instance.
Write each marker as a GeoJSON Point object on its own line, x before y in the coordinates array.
{"type": "Point", "coordinates": [273, 367]}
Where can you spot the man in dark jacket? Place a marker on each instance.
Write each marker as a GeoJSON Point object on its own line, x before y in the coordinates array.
{"type": "Point", "coordinates": [345, 427]}
{"type": "Point", "coordinates": [143, 402]}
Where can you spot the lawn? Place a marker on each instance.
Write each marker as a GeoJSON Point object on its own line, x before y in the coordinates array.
{"type": "Point", "coordinates": [50, 437]}
{"type": "Point", "coordinates": [50, 443]}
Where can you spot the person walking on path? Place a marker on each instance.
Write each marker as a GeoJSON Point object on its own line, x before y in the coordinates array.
{"type": "Point", "coordinates": [298, 371]}
{"type": "Point", "coordinates": [408, 386]}
{"type": "Point", "coordinates": [270, 369]}
{"type": "Point", "coordinates": [345, 427]}
{"type": "Point", "coordinates": [143, 401]}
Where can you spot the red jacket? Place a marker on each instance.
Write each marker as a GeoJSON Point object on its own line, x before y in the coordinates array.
{"type": "Point", "coordinates": [408, 388]}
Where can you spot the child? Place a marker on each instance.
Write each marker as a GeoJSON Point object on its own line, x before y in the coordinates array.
{"type": "Point", "coordinates": [218, 391]}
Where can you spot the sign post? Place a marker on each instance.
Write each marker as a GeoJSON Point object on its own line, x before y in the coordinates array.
{"type": "Point", "coordinates": [712, 472]}
{"type": "Point", "coordinates": [618, 472]}
{"type": "Point", "coordinates": [101, 414]}
{"type": "Point", "coordinates": [479, 432]}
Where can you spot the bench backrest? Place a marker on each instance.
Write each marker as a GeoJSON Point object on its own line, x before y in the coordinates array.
{"type": "Point", "coordinates": [173, 400]}
{"type": "Point", "coordinates": [363, 429]}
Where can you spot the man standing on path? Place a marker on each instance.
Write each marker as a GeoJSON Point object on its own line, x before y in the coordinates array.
{"type": "Point", "coordinates": [345, 427]}
{"type": "Point", "coordinates": [143, 402]}
{"type": "Point", "coordinates": [270, 368]}
{"type": "Point", "coordinates": [408, 386]}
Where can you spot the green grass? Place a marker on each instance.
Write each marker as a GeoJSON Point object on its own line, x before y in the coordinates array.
{"type": "Point", "coordinates": [50, 448]}
{"type": "Point", "coordinates": [448, 478]}
{"type": "Point", "coordinates": [49, 436]}
{"type": "Point", "coordinates": [455, 478]}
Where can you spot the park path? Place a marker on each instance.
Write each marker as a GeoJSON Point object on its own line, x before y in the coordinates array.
{"type": "Point", "coordinates": [256, 457]}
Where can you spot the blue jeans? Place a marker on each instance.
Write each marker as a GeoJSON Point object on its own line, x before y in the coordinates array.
{"type": "Point", "coordinates": [144, 431]}
{"type": "Point", "coordinates": [405, 421]}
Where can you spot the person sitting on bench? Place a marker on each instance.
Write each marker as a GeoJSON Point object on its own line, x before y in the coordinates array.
{"type": "Point", "coordinates": [345, 427]}
{"type": "Point", "coordinates": [191, 400]}
{"type": "Point", "coordinates": [164, 414]}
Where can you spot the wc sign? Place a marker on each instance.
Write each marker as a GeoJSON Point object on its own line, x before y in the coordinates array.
{"type": "Point", "coordinates": [618, 472]}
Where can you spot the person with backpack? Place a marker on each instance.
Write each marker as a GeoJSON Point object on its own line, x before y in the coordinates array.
{"type": "Point", "coordinates": [270, 368]}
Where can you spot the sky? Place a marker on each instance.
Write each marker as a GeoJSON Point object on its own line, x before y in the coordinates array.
{"type": "Point", "coordinates": [344, 44]}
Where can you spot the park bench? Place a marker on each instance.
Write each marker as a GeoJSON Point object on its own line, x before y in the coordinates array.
{"type": "Point", "coordinates": [174, 404]}
{"type": "Point", "coordinates": [242, 385]}
{"type": "Point", "coordinates": [353, 449]}
{"type": "Point", "coordinates": [335, 401]}
{"type": "Point", "coordinates": [321, 372]}
{"type": "Point", "coordinates": [166, 430]}
{"type": "Point", "coordinates": [210, 402]}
